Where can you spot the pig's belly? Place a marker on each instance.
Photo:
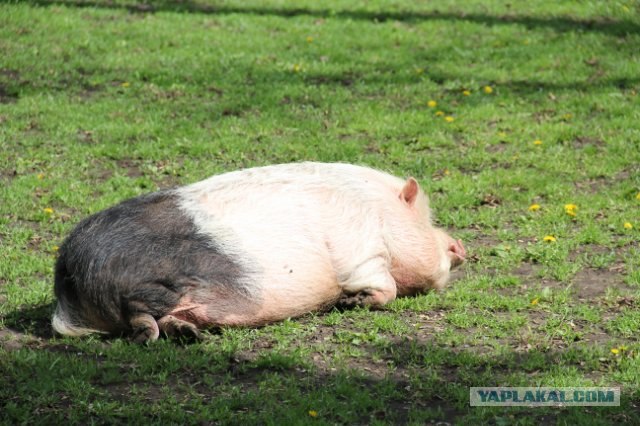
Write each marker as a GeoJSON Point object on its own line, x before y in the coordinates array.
{"type": "Point", "coordinates": [282, 238]}
{"type": "Point", "coordinates": [275, 298]}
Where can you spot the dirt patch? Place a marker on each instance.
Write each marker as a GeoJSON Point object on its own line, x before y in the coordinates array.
{"type": "Point", "coordinates": [589, 284]}
{"type": "Point", "coordinates": [527, 271]}
{"type": "Point", "coordinates": [162, 173]}
{"type": "Point", "coordinates": [11, 340]}
{"type": "Point", "coordinates": [585, 141]}
{"type": "Point", "coordinates": [486, 241]}
{"type": "Point", "coordinates": [589, 250]}
{"type": "Point", "coordinates": [130, 167]}
{"type": "Point", "coordinates": [7, 96]}
{"type": "Point", "coordinates": [599, 183]}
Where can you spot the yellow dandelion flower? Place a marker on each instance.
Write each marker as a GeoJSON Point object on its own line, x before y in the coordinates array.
{"type": "Point", "coordinates": [48, 210]}
{"type": "Point", "coordinates": [446, 172]}
{"type": "Point", "coordinates": [125, 84]}
{"type": "Point", "coordinates": [40, 176]}
{"type": "Point", "coordinates": [638, 196]}
{"type": "Point", "coordinates": [296, 68]}
{"type": "Point", "coordinates": [549, 239]}
{"type": "Point", "coordinates": [537, 142]}
{"type": "Point", "coordinates": [615, 351]}
{"type": "Point", "coordinates": [535, 301]}
{"type": "Point", "coordinates": [313, 413]}
{"type": "Point", "coordinates": [488, 90]}
{"type": "Point", "coordinates": [628, 225]}
{"type": "Point", "coordinates": [449, 119]}
{"type": "Point", "coordinates": [309, 39]}
{"type": "Point", "coordinates": [432, 104]}
{"type": "Point", "coordinates": [502, 134]}
{"type": "Point", "coordinates": [466, 92]}
{"type": "Point", "coordinates": [534, 207]}
{"type": "Point", "coordinates": [439, 113]}
{"type": "Point", "coordinates": [55, 248]}
{"type": "Point", "coordinates": [571, 209]}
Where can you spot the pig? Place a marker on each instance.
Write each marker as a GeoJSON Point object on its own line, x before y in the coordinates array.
{"type": "Point", "coordinates": [248, 248]}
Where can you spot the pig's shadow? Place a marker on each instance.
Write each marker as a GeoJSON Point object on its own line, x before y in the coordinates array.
{"type": "Point", "coordinates": [35, 321]}
{"type": "Point", "coordinates": [31, 320]}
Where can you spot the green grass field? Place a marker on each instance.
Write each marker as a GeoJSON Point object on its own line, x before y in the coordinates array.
{"type": "Point", "coordinates": [521, 121]}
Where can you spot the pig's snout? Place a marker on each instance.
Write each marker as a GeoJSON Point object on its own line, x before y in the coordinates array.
{"type": "Point", "coordinates": [456, 253]}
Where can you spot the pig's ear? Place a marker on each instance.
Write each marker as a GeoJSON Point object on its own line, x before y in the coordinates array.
{"type": "Point", "coordinates": [409, 192]}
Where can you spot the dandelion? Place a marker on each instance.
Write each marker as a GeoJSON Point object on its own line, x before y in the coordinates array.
{"type": "Point", "coordinates": [449, 119]}
{"type": "Point", "coordinates": [549, 239]}
{"type": "Point", "coordinates": [48, 210]}
{"type": "Point", "coordinates": [446, 172]}
{"type": "Point", "coordinates": [537, 142]}
{"type": "Point", "coordinates": [534, 207]}
{"type": "Point", "coordinates": [296, 68]}
{"type": "Point", "coordinates": [638, 196]}
{"type": "Point", "coordinates": [313, 413]}
{"type": "Point", "coordinates": [309, 39]}
{"type": "Point", "coordinates": [432, 104]}
{"type": "Point", "coordinates": [502, 134]}
{"type": "Point", "coordinates": [571, 209]}
{"type": "Point", "coordinates": [125, 84]}
{"type": "Point", "coordinates": [628, 225]}
{"type": "Point", "coordinates": [40, 176]}
{"type": "Point", "coordinates": [535, 301]}
{"type": "Point", "coordinates": [488, 90]}
{"type": "Point", "coordinates": [615, 351]}
{"type": "Point", "coordinates": [439, 113]}
{"type": "Point", "coordinates": [55, 249]}
{"type": "Point", "coordinates": [466, 92]}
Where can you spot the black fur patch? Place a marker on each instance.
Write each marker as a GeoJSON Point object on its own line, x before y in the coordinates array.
{"type": "Point", "coordinates": [140, 256]}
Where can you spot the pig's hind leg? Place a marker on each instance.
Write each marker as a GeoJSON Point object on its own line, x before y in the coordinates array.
{"type": "Point", "coordinates": [144, 328]}
{"type": "Point", "coordinates": [148, 309]}
{"type": "Point", "coordinates": [370, 283]}
{"type": "Point", "coordinates": [177, 328]}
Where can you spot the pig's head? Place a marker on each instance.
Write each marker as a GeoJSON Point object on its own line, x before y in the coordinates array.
{"type": "Point", "coordinates": [422, 255]}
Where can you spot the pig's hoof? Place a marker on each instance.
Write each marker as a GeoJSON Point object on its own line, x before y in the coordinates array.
{"type": "Point", "coordinates": [372, 299]}
{"type": "Point", "coordinates": [144, 328]}
{"type": "Point", "coordinates": [352, 300]}
{"type": "Point", "coordinates": [177, 328]}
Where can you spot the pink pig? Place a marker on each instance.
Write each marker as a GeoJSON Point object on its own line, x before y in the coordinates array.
{"type": "Point", "coordinates": [248, 248]}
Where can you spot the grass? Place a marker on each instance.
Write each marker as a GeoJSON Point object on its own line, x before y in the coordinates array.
{"type": "Point", "coordinates": [104, 100]}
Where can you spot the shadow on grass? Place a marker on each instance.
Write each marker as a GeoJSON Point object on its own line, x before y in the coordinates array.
{"type": "Point", "coordinates": [78, 81]}
{"type": "Point", "coordinates": [32, 320]}
{"type": "Point", "coordinates": [608, 26]}
{"type": "Point", "coordinates": [426, 383]}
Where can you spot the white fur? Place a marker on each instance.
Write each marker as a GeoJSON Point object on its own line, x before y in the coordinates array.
{"type": "Point", "coordinates": [62, 324]}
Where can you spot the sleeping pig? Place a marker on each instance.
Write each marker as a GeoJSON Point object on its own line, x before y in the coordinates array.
{"type": "Point", "coordinates": [247, 248]}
